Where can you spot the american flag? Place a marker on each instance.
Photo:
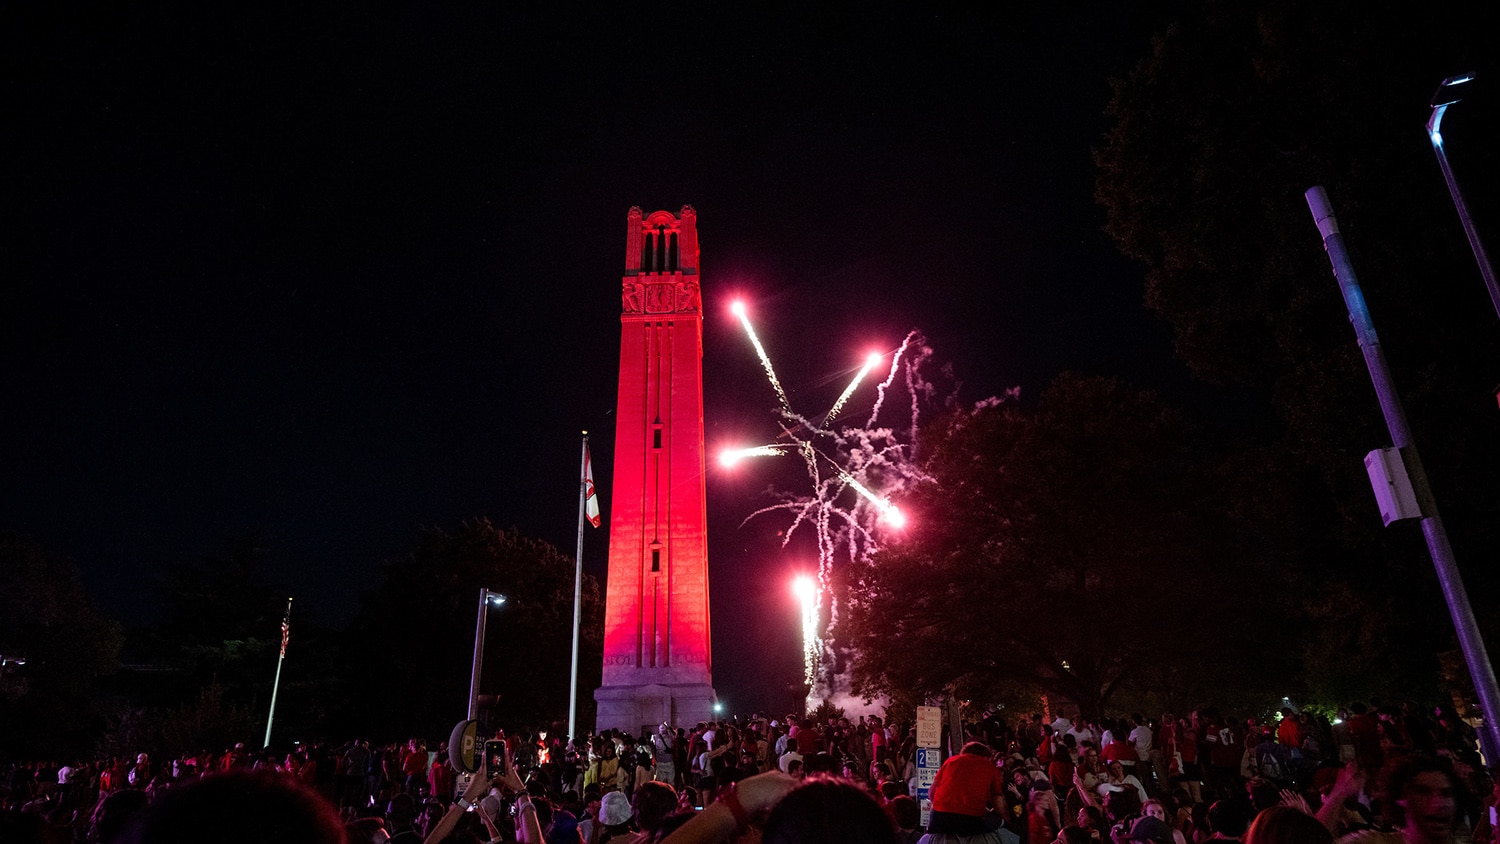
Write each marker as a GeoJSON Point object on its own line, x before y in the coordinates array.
{"type": "Point", "coordinates": [286, 627]}
{"type": "Point", "coordinates": [591, 498]}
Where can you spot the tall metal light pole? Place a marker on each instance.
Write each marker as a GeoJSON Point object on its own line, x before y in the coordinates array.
{"type": "Point", "coordinates": [486, 597]}
{"type": "Point", "coordinates": [1449, 92]}
{"type": "Point", "coordinates": [1443, 560]}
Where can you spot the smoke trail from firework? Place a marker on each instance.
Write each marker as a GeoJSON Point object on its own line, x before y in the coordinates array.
{"type": "Point", "coordinates": [765, 361]}
{"type": "Point", "coordinates": [890, 378]}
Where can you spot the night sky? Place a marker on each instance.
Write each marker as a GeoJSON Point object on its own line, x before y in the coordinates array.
{"type": "Point", "coordinates": [322, 277]}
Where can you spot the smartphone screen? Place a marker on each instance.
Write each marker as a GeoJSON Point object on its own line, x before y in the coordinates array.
{"type": "Point", "coordinates": [494, 759]}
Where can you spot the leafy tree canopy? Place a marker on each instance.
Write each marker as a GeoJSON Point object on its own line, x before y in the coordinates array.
{"type": "Point", "coordinates": [1072, 546]}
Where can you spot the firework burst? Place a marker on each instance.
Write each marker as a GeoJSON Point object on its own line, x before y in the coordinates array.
{"type": "Point", "coordinates": [854, 472]}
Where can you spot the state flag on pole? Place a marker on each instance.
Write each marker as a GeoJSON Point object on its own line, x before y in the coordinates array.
{"type": "Point", "coordinates": [591, 498]}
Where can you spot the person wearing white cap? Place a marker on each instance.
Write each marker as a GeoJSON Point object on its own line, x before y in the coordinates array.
{"type": "Point", "coordinates": [614, 815]}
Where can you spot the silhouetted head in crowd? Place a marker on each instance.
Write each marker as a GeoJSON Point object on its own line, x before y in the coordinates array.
{"type": "Point", "coordinates": [240, 808]}
{"type": "Point", "coordinates": [828, 811]}
{"type": "Point", "coordinates": [654, 801]}
{"type": "Point", "coordinates": [1120, 805]}
{"type": "Point", "coordinates": [977, 748]}
{"type": "Point", "coordinates": [1263, 793]}
{"type": "Point", "coordinates": [1229, 817]}
{"type": "Point", "coordinates": [400, 811]}
{"type": "Point", "coordinates": [1284, 825]}
{"type": "Point", "coordinates": [115, 813]}
{"type": "Point", "coordinates": [906, 812]}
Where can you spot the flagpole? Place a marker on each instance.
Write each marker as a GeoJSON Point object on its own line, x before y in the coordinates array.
{"type": "Point", "coordinates": [583, 467]}
{"type": "Point", "coordinates": [286, 628]}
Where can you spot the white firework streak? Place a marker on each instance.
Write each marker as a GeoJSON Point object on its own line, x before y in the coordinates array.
{"type": "Point", "coordinates": [807, 596]}
{"type": "Point", "coordinates": [811, 644]}
{"type": "Point", "coordinates": [765, 360]}
{"type": "Point", "coordinates": [861, 460]}
{"type": "Point", "coordinates": [733, 456]}
{"type": "Point", "coordinates": [884, 504]}
{"type": "Point", "coordinates": [849, 390]}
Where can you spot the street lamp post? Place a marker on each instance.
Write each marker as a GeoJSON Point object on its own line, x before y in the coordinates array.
{"type": "Point", "coordinates": [1449, 92]}
{"type": "Point", "coordinates": [1438, 547]}
{"type": "Point", "coordinates": [9, 660]}
{"type": "Point", "coordinates": [486, 597]}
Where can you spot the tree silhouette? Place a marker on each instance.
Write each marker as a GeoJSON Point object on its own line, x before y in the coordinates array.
{"type": "Point", "coordinates": [410, 649]}
{"type": "Point", "coordinates": [50, 704]}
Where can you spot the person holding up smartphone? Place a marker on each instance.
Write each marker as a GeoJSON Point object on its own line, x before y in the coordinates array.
{"type": "Point", "coordinates": [528, 828]}
{"type": "Point", "coordinates": [494, 759]}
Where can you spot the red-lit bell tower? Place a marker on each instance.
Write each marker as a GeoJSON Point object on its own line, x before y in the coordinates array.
{"type": "Point", "coordinates": [656, 631]}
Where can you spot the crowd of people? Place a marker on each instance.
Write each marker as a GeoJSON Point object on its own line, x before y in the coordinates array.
{"type": "Point", "coordinates": [1368, 776]}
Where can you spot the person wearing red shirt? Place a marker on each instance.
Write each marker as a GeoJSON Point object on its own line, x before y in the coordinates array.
{"type": "Point", "coordinates": [1060, 769]}
{"type": "Point", "coordinates": [1120, 751]}
{"type": "Point", "coordinates": [414, 766]}
{"type": "Point", "coordinates": [1289, 732]}
{"type": "Point", "coordinates": [440, 778]}
{"type": "Point", "coordinates": [877, 740]}
{"type": "Point", "coordinates": [810, 740]}
{"type": "Point", "coordinates": [964, 786]}
{"type": "Point", "coordinates": [1044, 747]}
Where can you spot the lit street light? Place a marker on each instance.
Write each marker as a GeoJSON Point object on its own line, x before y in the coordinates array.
{"type": "Point", "coordinates": [486, 598]}
{"type": "Point", "coordinates": [1449, 92]}
{"type": "Point", "coordinates": [6, 660]}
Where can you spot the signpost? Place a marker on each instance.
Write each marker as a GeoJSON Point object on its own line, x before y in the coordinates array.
{"type": "Point", "coordinates": [465, 754]}
{"type": "Point", "coordinates": [929, 756]}
{"type": "Point", "coordinates": [929, 726]}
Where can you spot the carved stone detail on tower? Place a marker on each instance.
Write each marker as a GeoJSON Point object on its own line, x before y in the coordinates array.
{"type": "Point", "coordinates": [670, 296]}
